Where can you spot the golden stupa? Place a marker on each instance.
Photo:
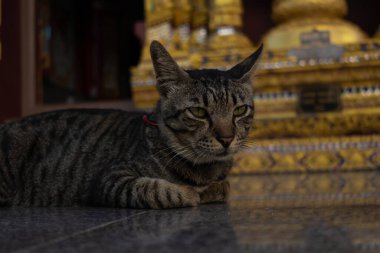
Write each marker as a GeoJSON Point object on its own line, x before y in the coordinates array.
{"type": "Point", "coordinates": [296, 17]}
{"type": "Point", "coordinates": [317, 97]}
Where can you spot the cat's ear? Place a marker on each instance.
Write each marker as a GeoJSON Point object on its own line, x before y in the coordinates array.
{"type": "Point", "coordinates": [168, 73]}
{"type": "Point", "coordinates": [243, 70]}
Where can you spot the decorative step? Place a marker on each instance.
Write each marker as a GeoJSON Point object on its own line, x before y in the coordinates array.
{"type": "Point", "coordinates": [346, 153]}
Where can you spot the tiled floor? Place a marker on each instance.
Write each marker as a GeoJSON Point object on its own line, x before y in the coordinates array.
{"type": "Point", "coordinates": [233, 227]}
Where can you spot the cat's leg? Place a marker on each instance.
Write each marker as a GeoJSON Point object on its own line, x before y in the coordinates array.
{"type": "Point", "coordinates": [4, 196]}
{"type": "Point", "coordinates": [144, 192]}
{"type": "Point", "coordinates": [216, 192]}
{"type": "Point", "coordinates": [5, 188]}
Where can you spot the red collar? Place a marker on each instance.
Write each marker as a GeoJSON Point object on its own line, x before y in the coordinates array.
{"type": "Point", "coordinates": [149, 122]}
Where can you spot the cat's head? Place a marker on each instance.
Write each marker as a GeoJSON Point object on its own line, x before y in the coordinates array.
{"type": "Point", "coordinates": [206, 115]}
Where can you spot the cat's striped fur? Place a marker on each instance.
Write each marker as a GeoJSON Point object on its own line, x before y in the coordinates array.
{"type": "Point", "coordinates": [114, 158]}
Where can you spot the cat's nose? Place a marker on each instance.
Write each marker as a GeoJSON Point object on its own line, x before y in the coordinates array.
{"type": "Point", "coordinates": [225, 141]}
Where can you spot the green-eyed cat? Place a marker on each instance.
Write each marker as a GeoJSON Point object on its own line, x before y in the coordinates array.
{"type": "Point", "coordinates": [123, 159]}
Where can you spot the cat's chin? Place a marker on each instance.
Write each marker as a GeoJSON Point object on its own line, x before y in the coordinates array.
{"type": "Point", "coordinates": [210, 157]}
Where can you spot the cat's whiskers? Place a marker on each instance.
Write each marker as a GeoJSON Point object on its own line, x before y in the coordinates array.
{"type": "Point", "coordinates": [165, 153]}
{"type": "Point", "coordinates": [180, 154]}
{"type": "Point", "coordinates": [183, 158]}
{"type": "Point", "coordinates": [198, 157]}
{"type": "Point", "coordinates": [163, 150]}
{"type": "Point", "coordinates": [247, 146]}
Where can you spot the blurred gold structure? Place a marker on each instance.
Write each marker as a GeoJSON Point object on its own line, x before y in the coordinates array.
{"type": "Point", "coordinates": [225, 24]}
{"type": "Point", "coordinates": [296, 17]}
{"type": "Point", "coordinates": [317, 100]}
{"type": "Point", "coordinates": [199, 25]}
{"type": "Point", "coordinates": [159, 18]}
{"type": "Point", "coordinates": [179, 43]}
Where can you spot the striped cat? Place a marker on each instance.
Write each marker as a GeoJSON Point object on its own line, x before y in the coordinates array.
{"type": "Point", "coordinates": [177, 157]}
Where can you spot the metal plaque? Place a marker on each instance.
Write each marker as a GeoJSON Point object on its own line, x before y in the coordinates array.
{"type": "Point", "coordinates": [319, 98]}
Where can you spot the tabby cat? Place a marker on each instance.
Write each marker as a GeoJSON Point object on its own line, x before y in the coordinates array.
{"type": "Point", "coordinates": [177, 157]}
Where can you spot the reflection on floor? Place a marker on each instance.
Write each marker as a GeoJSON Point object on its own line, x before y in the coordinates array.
{"type": "Point", "coordinates": [308, 189]}
{"type": "Point", "coordinates": [234, 227]}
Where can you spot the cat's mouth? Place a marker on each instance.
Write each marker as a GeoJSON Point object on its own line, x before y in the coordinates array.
{"type": "Point", "coordinates": [217, 154]}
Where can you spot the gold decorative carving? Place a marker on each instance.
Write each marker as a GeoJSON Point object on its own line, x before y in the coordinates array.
{"type": "Point", "coordinates": [312, 154]}
{"type": "Point", "coordinates": [199, 23]}
{"type": "Point", "coordinates": [225, 13]}
{"type": "Point", "coordinates": [179, 43]}
{"type": "Point", "coordinates": [158, 11]}
{"type": "Point", "coordinates": [159, 16]}
{"type": "Point", "coordinates": [225, 25]}
{"type": "Point", "coordinates": [182, 12]}
{"type": "Point", "coordinates": [326, 124]}
{"type": "Point", "coordinates": [199, 15]}
{"type": "Point", "coordinates": [317, 74]}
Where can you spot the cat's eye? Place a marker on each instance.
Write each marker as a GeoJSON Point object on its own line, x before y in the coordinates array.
{"type": "Point", "coordinates": [198, 112]}
{"type": "Point", "coordinates": [240, 111]}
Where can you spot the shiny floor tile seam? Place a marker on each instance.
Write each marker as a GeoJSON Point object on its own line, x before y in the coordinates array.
{"type": "Point", "coordinates": [75, 234]}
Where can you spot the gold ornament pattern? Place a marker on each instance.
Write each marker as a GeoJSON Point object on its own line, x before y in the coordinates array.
{"type": "Point", "coordinates": [328, 124]}
{"type": "Point", "coordinates": [310, 155]}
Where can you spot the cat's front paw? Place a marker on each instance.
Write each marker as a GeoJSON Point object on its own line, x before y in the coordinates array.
{"type": "Point", "coordinates": [174, 196]}
{"type": "Point", "coordinates": [189, 196]}
{"type": "Point", "coordinates": [216, 192]}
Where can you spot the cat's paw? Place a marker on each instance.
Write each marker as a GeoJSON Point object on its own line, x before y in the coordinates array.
{"type": "Point", "coordinates": [173, 196]}
{"type": "Point", "coordinates": [216, 192]}
{"type": "Point", "coordinates": [189, 196]}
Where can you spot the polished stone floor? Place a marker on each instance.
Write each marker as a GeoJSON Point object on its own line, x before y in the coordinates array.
{"type": "Point", "coordinates": [234, 227]}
